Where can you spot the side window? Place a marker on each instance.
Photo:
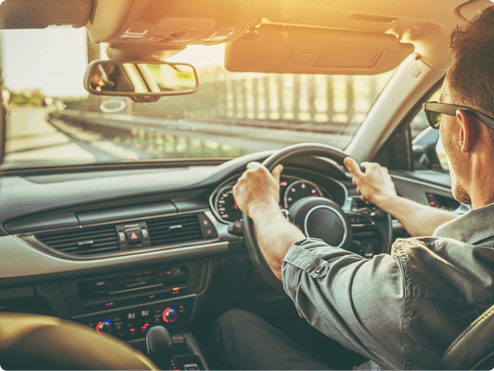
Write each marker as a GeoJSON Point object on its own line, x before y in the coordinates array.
{"type": "Point", "coordinates": [428, 152]}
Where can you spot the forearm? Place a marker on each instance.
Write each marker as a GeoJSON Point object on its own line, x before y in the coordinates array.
{"type": "Point", "coordinates": [275, 235]}
{"type": "Point", "coordinates": [419, 220]}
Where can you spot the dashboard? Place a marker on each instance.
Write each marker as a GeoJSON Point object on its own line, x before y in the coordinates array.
{"type": "Point", "coordinates": [124, 249]}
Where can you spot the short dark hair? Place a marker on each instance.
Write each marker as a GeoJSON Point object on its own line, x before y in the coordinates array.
{"type": "Point", "coordinates": [472, 77]}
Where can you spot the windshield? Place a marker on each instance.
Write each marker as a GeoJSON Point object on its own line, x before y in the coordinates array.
{"type": "Point", "coordinates": [54, 121]}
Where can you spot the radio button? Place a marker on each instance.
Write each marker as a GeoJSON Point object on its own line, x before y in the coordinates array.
{"type": "Point", "coordinates": [130, 316]}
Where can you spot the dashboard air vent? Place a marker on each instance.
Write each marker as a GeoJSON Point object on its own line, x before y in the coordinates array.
{"type": "Point", "coordinates": [174, 230]}
{"type": "Point", "coordinates": [95, 240]}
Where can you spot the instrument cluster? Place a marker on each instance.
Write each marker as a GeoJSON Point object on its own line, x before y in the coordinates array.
{"type": "Point", "coordinates": [292, 189]}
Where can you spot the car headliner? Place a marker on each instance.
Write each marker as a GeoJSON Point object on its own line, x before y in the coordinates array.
{"type": "Point", "coordinates": [423, 23]}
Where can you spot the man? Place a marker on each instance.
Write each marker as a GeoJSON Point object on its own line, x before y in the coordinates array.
{"type": "Point", "coordinates": [402, 310]}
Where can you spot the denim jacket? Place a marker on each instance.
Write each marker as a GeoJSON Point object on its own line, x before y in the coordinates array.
{"type": "Point", "coordinates": [402, 310]}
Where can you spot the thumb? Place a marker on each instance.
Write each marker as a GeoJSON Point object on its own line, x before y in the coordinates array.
{"type": "Point", "coordinates": [352, 166]}
{"type": "Point", "coordinates": [277, 172]}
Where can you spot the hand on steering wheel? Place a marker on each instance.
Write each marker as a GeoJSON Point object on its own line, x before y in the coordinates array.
{"type": "Point", "coordinates": [374, 184]}
{"type": "Point", "coordinates": [257, 189]}
{"type": "Point", "coordinates": [310, 214]}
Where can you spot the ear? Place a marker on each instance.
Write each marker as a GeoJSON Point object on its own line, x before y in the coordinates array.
{"type": "Point", "coordinates": [470, 131]}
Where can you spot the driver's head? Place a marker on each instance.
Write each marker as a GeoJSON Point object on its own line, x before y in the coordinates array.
{"type": "Point", "coordinates": [469, 82]}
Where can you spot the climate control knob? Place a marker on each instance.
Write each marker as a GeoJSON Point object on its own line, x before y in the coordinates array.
{"type": "Point", "coordinates": [170, 315]}
{"type": "Point", "coordinates": [104, 327]}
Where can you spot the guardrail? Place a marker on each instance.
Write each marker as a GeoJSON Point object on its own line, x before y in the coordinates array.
{"type": "Point", "coordinates": [233, 114]}
{"type": "Point", "coordinates": [155, 138]}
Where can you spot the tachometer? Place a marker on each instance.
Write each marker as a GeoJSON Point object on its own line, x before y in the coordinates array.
{"type": "Point", "coordinates": [226, 206]}
{"type": "Point", "coordinates": [300, 189]}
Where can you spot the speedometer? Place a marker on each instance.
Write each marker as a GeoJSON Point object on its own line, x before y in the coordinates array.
{"type": "Point", "coordinates": [300, 189]}
{"type": "Point", "coordinates": [226, 206]}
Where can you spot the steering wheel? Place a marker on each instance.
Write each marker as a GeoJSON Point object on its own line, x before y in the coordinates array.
{"type": "Point", "coordinates": [317, 217]}
{"type": "Point", "coordinates": [35, 342]}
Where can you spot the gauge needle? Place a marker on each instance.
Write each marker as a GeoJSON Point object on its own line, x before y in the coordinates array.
{"type": "Point", "coordinates": [316, 195]}
{"type": "Point", "coordinates": [235, 203]}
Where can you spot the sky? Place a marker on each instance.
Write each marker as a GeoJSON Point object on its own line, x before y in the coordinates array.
{"type": "Point", "coordinates": [54, 59]}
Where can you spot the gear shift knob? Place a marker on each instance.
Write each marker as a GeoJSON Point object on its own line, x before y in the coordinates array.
{"type": "Point", "coordinates": [159, 346]}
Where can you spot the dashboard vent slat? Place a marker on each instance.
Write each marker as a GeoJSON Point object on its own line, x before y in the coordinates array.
{"type": "Point", "coordinates": [162, 231]}
{"type": "Point", "coordinates": [69, 238]}
{"type": "Point", "coordinates": [95, 240]}
{"type": "Point", "coordinates": [160, 234]}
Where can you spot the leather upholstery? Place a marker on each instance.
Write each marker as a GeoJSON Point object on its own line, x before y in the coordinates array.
{"type": "Point", "coordinates": [474, 348]}
{"type": "Point", "coordinates": [34, 342]}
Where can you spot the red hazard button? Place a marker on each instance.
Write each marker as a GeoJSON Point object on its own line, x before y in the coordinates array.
{"type": "Point", "coordinates": [134, 237]}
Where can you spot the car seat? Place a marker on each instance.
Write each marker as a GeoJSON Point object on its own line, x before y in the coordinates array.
{"type": "Point", "coordinates": [473, 349]}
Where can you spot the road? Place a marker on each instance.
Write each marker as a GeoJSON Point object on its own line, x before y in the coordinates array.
{"type": "Point", "coordinates": [30, 138]}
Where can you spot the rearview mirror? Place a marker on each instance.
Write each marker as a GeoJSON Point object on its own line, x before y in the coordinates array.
{"type": "Point", "coordinates": [141, 81]}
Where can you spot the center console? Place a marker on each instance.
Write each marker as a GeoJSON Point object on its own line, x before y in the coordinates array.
{"type": "Point", "coordinates": [128, 305]}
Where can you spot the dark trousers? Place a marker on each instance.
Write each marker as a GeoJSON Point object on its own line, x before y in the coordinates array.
{"type": "Point", "coordinates": [244, 341]}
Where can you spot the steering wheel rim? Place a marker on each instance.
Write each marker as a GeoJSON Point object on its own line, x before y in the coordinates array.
{"type": "Point", "coordinates": [250, 236]}
{"type": "Point", "coordinates": [36, 342]}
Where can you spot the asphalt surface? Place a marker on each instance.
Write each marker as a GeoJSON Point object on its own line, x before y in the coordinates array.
{"type": "Point", "coordinates": [32, 140]}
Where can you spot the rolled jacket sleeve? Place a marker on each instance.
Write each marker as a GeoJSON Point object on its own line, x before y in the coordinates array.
{"type": "Point", "coordinates": [356, 301]}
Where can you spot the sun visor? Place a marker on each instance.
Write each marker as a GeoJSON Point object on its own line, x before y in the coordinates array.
{"type": "Point", "coordinates": [17, 14]}
{"type": "Point", "coordinates": [305, 50]}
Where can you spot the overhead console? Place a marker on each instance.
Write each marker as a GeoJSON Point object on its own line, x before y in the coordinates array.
{"type": "Point", "coordinates": [172, 24]}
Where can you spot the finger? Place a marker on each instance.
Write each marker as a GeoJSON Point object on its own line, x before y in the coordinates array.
{"type": "Point", "coordinates": [277, 172]}
{"type": "Point", "coordinates": [371, 165]}
{"type": "Point", "coordinates": [253, 165]}
{"type": "Point", "coordinates": [358, 191]}
{"type": "Point", "coordinates": [354, 181]}
{"type": "Point", "coordinates": [352, 166]}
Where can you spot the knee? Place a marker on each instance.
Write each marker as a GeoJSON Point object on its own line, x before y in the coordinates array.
{"type": "Point", "coordinates": [230, 321]}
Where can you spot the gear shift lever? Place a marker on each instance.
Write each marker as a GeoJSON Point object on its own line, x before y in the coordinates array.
{"type": "Point", "coordinates": [160, 347]}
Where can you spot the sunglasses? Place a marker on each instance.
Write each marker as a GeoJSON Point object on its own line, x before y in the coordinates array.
{"type": "Point", "coordinates": [433, 111]}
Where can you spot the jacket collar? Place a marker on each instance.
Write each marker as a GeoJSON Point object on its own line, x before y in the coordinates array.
{"type": "Point", "coordinates": [472, 227]}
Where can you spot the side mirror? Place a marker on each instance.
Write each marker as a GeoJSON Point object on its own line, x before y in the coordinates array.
{"type": "Point", "coordinates": [441, 155]}
{"type": "Point", "coordinates": [141, 81]}
{"type": "Point", "coordinates": [423, 147]}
